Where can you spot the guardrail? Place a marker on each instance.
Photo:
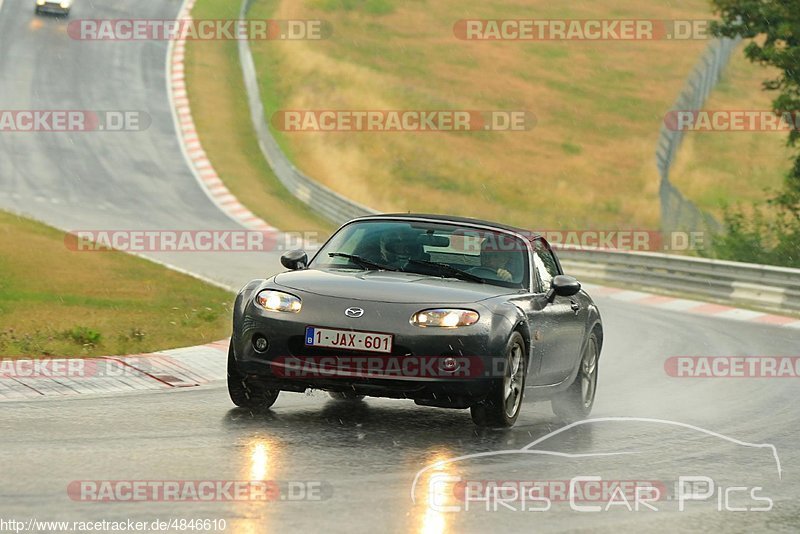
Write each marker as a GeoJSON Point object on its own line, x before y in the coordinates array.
{"type": "Point", "coordinates": [763, 286]}
{"type": "Point", "coordinates": [322, 200]}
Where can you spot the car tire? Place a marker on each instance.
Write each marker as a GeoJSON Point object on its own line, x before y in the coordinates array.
{"type": "Point", "coordinates": [245, 392]}
{"type": "Point", "coordinates": [576, 402]}
{"type": "Point", "coordinates": [504, 402]}
{"type": "Point", "coordinates": [345, 395]}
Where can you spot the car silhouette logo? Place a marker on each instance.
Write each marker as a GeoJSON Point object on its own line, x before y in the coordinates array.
{"type": "Point", "coordinates": [354, 312]}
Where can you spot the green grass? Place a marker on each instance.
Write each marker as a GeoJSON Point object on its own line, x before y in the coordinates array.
{"type": "Point", "coordinates": [571, 148]}
{"type": "Point", "coordinates": [372, 7]}
{"type": "Point", "coordinates": [59, 302]}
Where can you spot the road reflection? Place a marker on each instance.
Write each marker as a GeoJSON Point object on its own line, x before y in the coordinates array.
{"type": "Point", "coordinates": [427, 513]}
{"type": "Point", "coordinates": [260, 455]}
{"type": "Point", "coordinates": [259, 460]}
{"type": "Point", "coordinates": [372, 450]}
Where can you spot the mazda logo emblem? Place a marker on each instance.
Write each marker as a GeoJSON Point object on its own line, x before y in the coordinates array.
{"type": "Point", "coordinates": [354, 312]}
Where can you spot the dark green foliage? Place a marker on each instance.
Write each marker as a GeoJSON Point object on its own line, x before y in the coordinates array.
{"type": "Point", "coordinates": [774, 27]}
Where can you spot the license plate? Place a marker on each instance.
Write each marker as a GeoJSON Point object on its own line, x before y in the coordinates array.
{"type": "Point", "coordinates": [346, 339]}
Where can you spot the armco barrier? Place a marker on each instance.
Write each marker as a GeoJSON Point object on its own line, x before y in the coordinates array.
{"type": "Point", "coordinates": [763, 286]}
{"type": "Point", "coordinates": [322, 200]}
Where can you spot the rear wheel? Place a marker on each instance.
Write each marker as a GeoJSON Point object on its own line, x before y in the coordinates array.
{"type": "Point", "coordinates": [246, 392]}
{"type": "Point", "coordinates": [501, 408]}
{"type": "Point", "coordinates": [345, 395]}
{"type": "Point", "coordinates": [576, 402]}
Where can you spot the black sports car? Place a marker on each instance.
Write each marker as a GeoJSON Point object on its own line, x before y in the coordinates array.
{"type": "Point", "coordinates": [447, 311]}
{"type": "Point", "coordinates": [58, 7]}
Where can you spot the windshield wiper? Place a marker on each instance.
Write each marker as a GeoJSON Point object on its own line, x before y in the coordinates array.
{"type": "Point", "coordinates": [363, 262]}
{"type": "Point", "coordinates": [450, 270]}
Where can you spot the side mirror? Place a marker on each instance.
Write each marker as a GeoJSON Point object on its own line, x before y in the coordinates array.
{"type": "Point", "coordinates": [563, 286]}
{"type": "Point", "coordinates": [294, 259]}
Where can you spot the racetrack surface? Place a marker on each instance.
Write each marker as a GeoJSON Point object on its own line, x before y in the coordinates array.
{"type": "Point", "coordinates": [366, 454]}
{"type": "Point", "coordinates": [104, 180]}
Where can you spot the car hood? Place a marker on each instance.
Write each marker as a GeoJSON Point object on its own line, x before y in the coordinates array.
{"type": "Point", "coordinates": [385, 286]}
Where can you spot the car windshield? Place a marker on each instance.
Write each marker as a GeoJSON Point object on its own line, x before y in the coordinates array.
{"type": "Point", "coordinates": [430, 248]}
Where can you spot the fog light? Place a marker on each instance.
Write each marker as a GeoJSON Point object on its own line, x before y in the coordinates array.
{"type": "Point", "coordinates": [449, 364]}
{"type": "Point", "coordinates": [260, 343]}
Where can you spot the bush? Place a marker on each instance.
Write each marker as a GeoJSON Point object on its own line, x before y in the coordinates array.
{"type": "Point", "coordinates": [757, 239]}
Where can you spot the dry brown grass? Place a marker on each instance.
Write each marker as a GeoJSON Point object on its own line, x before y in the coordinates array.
{"type": "Point", "coordinates": [589, 161]}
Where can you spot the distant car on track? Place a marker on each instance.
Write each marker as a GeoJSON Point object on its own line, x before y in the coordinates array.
{"type": "Point", "coordinates": [447, 311]}
{"type": "Point", "coordinates": [58, 7]}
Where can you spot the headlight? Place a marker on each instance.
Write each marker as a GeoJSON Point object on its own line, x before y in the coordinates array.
{"type": "Point", "coordinates": [39, 2]}
{"type": "Point", "coordinates": [445, 318]}
{"type": "Point", "coordinates": [64, 5]}
{"type": "Point", "coordinates": [278, 301]}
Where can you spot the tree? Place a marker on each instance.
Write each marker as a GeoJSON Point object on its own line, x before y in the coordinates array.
{"type": "Point", "coordinates": [774, 29]}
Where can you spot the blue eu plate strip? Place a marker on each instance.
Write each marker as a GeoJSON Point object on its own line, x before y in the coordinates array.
{"type": "Point", "coordinates": [309, 335]}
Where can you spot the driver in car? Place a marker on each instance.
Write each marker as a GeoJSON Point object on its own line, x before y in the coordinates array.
{"type": "Point", "coordinates": [499, 261]}
{"type": "Point", "coordinates": [397, 247]}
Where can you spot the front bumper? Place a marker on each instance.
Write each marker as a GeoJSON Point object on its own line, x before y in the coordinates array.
{"type": "Point", "coordinates": [414, 369]}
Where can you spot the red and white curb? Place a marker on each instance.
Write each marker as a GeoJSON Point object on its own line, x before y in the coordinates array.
{"type": "Point", "coordinates": [192, 149]}
{"type": "Point", "coordinates": [23, 379]}
{"type": "Point", "coordinates": [694, 307]}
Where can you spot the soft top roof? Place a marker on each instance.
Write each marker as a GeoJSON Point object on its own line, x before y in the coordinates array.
{"type": "Point", "coordinates": [452, 219]}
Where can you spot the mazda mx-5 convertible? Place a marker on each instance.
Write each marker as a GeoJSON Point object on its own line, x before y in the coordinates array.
{"type": "Point", "coordinates": [447, 311]}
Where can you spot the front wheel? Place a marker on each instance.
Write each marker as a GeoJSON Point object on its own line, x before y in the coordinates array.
{"type": "Point", "coordinates": [576, 402]}
{"type": "Point", "coordinates": [501, 407]}
{"type": "Point", "coordinates": [244, 392]}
